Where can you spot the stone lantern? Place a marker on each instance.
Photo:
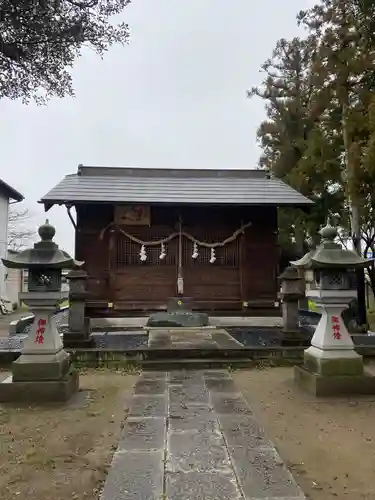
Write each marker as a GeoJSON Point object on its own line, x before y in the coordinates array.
{"type": "Point", "coordinates": [292, 290]}
{"type": "Point", "coordinates": [43, 371]}
{"type": "Point", "coordinates": [331, 364]}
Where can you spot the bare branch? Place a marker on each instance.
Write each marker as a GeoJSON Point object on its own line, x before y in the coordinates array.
{"type": "Point", "coordinates": [19, 232]}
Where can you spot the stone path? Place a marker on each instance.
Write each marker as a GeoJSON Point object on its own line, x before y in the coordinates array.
{"type": "Point", "coordinates": [192, 436]}
{"type": "Point", "coordinates": [192, 338]}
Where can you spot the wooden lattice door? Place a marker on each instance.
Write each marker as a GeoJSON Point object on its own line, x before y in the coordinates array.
{"type": "Point", "coordinates": [212, 282]}
{"type": "Point", "coordinates": [153, 280]}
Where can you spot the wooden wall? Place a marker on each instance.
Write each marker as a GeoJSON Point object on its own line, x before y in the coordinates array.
{"type": "Point", "coordinates": [245, 270]}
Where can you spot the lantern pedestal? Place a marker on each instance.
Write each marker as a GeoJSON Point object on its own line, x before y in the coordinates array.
{"type": "Point", "coordinates": [331, 364]}
{"type": "Point", "coordinates": [42, 372]}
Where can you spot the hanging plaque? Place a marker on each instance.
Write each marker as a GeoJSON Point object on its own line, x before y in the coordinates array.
{"type": "Point", "coordinates": [132, 215]}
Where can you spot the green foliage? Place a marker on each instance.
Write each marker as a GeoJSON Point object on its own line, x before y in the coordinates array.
{"type": "Point", "coordinates": [296, 146]}
{"type": "Point", "coordinates": [40, 40]}
{"type": "Point", "coordinates": [319, 133]}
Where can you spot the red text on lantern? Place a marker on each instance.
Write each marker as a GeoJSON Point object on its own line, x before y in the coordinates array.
{"type": "Point", "coordinates": [335, 321]}
{"type": "Point", "coordinates": [39, 338]}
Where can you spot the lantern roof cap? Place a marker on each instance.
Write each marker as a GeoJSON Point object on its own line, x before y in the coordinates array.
{"type": "Point", "coordinates": [330, 254]}
{"type": "Point", "coordinates": [290, 273]}
{"type": "Point", "coordinates": [45, 253]}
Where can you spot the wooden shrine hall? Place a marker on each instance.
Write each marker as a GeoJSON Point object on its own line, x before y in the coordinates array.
{"type": "Point", "coordinates": [146, 235]}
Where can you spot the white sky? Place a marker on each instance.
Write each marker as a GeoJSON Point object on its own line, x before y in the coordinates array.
{"type": "Point", "coordinates": [175, 97]}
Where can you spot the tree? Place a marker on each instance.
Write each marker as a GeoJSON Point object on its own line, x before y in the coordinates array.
{"type": "Point", "coordinates": [345, 61]}
{"type": "Point", "coordinates": [19, 232]}
{"type": "Point", "coordinates": [319, 135]}
{"type": "Point", "coordinates": [41, 39]}
{"type": "Point", "coordinates": [297, 146]}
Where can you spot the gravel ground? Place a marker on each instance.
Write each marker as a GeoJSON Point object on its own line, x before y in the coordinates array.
{"type": "Point", "coordinates": [62, 452]}
{"type": "Point", "coordinates": [327, 443]}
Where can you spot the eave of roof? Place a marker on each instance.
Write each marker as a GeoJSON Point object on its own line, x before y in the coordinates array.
{"type": "Point", "coordinates": [177, 186]}
{"type": "Point", "coordinates": [11, 192]}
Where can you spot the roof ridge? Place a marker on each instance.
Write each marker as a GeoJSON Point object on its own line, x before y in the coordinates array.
{"type": "Point", "coordinates": [96, 171]}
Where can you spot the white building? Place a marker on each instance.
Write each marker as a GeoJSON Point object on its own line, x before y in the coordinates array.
{"type": "Point", "coordinates": [8, 195]}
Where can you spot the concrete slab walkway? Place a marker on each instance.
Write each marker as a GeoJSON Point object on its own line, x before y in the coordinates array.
{"type": "Point", "coordinates": [192, 436]}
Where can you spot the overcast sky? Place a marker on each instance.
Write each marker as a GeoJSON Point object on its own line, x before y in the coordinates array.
{"type": "Point", "coordinates": [175, 97]}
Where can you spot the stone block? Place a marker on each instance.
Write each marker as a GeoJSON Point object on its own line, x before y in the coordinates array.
{"type": "Point", "coordinates": [233, 404]}
{"type": "Point", "coordinates": [197, 452]}
{"type": "Point", "coordinates": [40, 391]}
{"type": "Point", "coordinates": [181, 376]}
{"type": "Point", "coordinates": [334, 366]}
{"type": "Point", "coordinates": [262, 475]}
{"type": "Point", "coordinates": [178, 319]}
{"type": "Point", "coordinates": [154, 387]}
{"type": "Point", "coordinates": [181, 410]}
{"type": "Point", "coordinates": [243, 431]}
{"type": "Point", "coordinates": [148, 406]}
{"type": "Point", "coordinates": [221, 385]}
{"type": "Point", "coordinates": [189, 393]}
{"type": "Point", "coordinates": [135, 476]}
{"type": "Point", "coordinates": [202, 422]}
{"type": "Point", "coordinates": [333, 385]}
{"type": "Point", "coordinates": [143, 434]}
{"type": "Point", "coordinates": [24, 369]}
{"type": "Point", "coordinates": [202, 485]}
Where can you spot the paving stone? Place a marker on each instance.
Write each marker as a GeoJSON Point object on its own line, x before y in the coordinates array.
{"type": "Point", "coordinates": [188, 393]}
{"type": "Point", "coordinates": [262, 474]}
{"type": "Point", "coordinates": [222, 374]}
{"type": "Point", "coordinates": [196, 452]}
{"type": "Point", "coordinates": [201, 486]}
{"type": "Point", "coordinates": [221, 385]}
{"type": "Point", "coordinates": [197, 344]}
{"type": "Point", "coordinates": [153, 387]}
{"type": "Point", "coordinates": [198, 423]}
{"type": "Point", "coordinates": [180, 376]}
{"type": "Point", "coordinates": [180, 410]}
{"type": "Point", "coordinates": [142, 434]}
{"type": "Point", "coordinates": [230, 404]}
{"type": "Point", "coordinates": [243, 431]}
{"type": "Point", "coordinates": [153, 375]}
{"type": "Point", "coordinates": [147, 406]}
{"type": "Point", "coordinates": [135, 476]}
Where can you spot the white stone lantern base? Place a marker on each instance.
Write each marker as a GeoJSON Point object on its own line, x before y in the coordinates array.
{"type": "Point", "coordinates": [331, 365]}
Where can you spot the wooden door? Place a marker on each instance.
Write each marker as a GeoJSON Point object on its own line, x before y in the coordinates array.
{"type": "Point", "coordinates": [151, 281]}
{"type": "Point", "coordinates": [214, 284]}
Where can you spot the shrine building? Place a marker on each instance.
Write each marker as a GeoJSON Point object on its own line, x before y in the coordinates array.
{"type": "Point", "coordinates": [146, 235]}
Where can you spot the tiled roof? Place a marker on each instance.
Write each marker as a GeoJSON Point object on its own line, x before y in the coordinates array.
{"type": "Point", "coordinates": [141, 185]}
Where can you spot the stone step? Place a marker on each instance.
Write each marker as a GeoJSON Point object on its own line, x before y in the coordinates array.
{"type": "Point", "coordinates": [195, 364]}
{"type": "Point", "coordinates": [199, 353]}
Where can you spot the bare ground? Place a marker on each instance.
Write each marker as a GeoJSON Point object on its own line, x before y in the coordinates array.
{"type": "Point", "coordinates": [328, 444]}
{"type": "Point", "coordinates": [63, 452]}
